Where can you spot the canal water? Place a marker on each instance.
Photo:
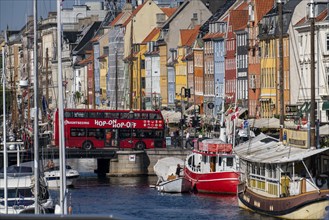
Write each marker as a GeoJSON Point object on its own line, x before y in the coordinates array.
{"type": "Point", "coordinates": [133, 198]}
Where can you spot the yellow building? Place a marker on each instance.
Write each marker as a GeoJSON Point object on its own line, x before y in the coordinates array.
{"type": "Point", "coordinates": [270, 70]}
{"type": "Point", "coordinates": [139, 76]}
{"type": "Point", "coordinates": [268, 73]}
{"type": "Point", "coordinates": [142, 21]}
{"type": "Point", "coordinates": [103, 65]}
{"type": "Point", "coordinates": [185, 44]}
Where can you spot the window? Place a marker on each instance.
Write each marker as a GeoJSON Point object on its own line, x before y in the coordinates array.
{"type": "Point", "coordinates": [106, 50]}
{"type": "Point", "coordinates": [111, 115]}
{"type": "Point", "coordinates": [142, 64]}
{"type": "Point", "coordinates": [80, 114]}
{"type": "Point", "coordinates": [78, 132]}
{"type": "Point", "coordinates": [229, 161]}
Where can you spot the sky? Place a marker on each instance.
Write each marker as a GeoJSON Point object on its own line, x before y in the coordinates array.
{"type": "Point", "coordinates": [14, 13]}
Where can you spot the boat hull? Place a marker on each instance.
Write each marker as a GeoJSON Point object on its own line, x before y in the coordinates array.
{"type": "Point", "coordinates": [178, 185]}
{"type": "Point", "coordinates": [53, 178]}
{"type": "Point", "coordinates": [54, 182]}
{"type": "Point", "coordinates": [225, 182]}
{"type": "Point", "coordinates": [311, 205]}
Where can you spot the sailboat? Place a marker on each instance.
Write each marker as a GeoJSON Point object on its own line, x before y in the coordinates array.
{"type": "Point", "coordinates": [23, 191]}
{"type": "Point", "coordinates": [287, 177]}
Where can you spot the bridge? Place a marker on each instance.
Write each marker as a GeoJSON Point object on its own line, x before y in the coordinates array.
{"type": "Point", "coordinates": [110, 161]}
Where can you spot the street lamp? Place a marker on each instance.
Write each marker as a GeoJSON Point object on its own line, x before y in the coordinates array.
{"type": "Point", "coordinates": [131, 116]}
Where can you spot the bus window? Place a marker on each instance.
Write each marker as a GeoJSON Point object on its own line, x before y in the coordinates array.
{"type": "Point", "coordinates": [159, 134]}
{"type": "Point", "coordinates": [91, 132]}
{"type": "Point", "coordinates": [96, 115]}
{"type": "Point", "coordinates": [124, 115]}
{"type": "Point", "coordinates": [80, 114]}
{"type": "Point", "coordinates": [109, 135]}
{"type": "Point", "coordinates": [113, 115]}
{"type": "Point", "coordinates": [124, 133]}
{"type": "Point", "coordinates": [68, 114]}
{"type": "Point", "coordinates": [99, 133]}
{"type": "Point", "coordinates": [137, 116]}
{"type": "Point", "coordinates": [144, 116]}
{"type": "Point", "coordinates": [155, 116]}
{"type": "Point", "coordinates": [78, 132]}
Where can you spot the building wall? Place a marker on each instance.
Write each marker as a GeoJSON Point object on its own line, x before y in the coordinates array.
{"type": "Point", "coordinates": [163, 74]}
{"type": "Point", "coordinates": [198, 78]}
{"type": "Point", "coordinates": [268, 77]}
{"type": "Point", "coordinates": [184, 20]}
{"type": "Point", "coordinates": [209, 80]}
{"type": "Point", "coordinates": [181, 74]}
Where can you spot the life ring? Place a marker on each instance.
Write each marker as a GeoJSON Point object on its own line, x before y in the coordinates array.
{"type": "Point", "coordinates": [320, 181]}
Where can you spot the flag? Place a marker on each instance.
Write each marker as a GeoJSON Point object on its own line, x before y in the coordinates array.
{"type": "Point", "coordinates": [236, 114]}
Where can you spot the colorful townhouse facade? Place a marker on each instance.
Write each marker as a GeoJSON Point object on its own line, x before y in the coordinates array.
{"type": "Point", "coordinates": [161, 51]}
{"type": "Point", "coordinates": [257, 9]}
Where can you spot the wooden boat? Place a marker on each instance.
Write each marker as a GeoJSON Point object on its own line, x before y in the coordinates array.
{"type": "Point", "coordinates": [168, 181]}
{"type": "Point", "coordinates": [282, 180]}
{"type": "Point", "coordinates": [212, 168]}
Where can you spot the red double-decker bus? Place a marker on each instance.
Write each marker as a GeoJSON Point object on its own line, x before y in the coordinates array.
{"type": "Point", "coordinates": [94, 128]}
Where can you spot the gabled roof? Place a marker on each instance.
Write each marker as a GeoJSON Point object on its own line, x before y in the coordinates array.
{"type": "Point", "coordinates": [217, 15]}
{"type": "Point", "coordinates": [179, 9]}
{"type": "Point", "coordinates": [86, 61]}
{"type": "Point", "coordinates": [116, 19]}
{"type": "Point", "coordinates": [134, 13]}
{"type": "Point", "coordinates": [188, 36]}
{"type": "Point", "coordinates": [322, 16]}
{"type": "Point", "coordinates": [262, 7]}
{"type": "Point", "coordinates": [151, 35]}
{"type": "Point", "coordinates": [213, 36]}
{"type": "Point", "coordinates": [71, 36]}
{"type": "Point", "coordinates": [238, 19]}
{"type": "Point", "coordinates": [84, 42]}
{"type": "Point", "coordinates": [168, 11]}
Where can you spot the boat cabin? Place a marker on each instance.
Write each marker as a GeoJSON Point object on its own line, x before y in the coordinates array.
{"type": "Point", "coordinates": [275, 170]}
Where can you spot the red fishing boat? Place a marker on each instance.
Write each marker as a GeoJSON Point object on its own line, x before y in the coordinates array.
{"type": "Point", "coordinates": [212, 168]}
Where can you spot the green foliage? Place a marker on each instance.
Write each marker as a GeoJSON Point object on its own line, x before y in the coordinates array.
{"type": "Point", "coordinates": [77, 96]}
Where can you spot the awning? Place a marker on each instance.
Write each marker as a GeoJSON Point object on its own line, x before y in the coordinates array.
{"type": "Point", "coordinates": [325, 105]}
{"type": "Point", "coordinates": [266, 149]}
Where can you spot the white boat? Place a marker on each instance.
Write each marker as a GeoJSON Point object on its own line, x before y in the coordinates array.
{"type": "Point", "coordinates": [52, 176]}
{"type": "Point", "coordinates": [175, 185]}
{"type": "Point", "coordinates": [168, 181]}
{"type": "Point", "coordinates": [21, 197]}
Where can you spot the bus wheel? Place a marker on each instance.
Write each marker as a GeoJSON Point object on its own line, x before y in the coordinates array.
{"type": "Point", "coordinates": [87, 145]}
{"type": "Point", "coordinates": [140, 145]}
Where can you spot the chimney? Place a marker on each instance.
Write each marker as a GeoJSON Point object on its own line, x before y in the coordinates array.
{"type": "Point", "coordinates": [161, 18]}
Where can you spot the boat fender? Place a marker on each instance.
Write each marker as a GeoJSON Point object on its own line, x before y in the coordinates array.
{"type": "Point", "coordinates": [320, 181]}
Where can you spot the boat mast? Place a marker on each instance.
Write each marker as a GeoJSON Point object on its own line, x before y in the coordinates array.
{"type": "Point", "coordinates": [131, 62]}
{"type": "Point", "coordinates": [5, 158]}
{"type": "Point", "coordinates": [312, 116]}
{"type": "Point", "coordinates": [36, 115]}
{"type": "Point", "coordinates": [63, 203]}
{"type": "Point", "coordinates": [281, 72]}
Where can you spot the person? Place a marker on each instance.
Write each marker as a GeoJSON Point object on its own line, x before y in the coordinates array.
{"type": "Point", "coordinates": [50, 164]}
{"type": "Point", "coordinates": [187, 139]}
{"type": "Point", "coordinates": [178, 170]}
